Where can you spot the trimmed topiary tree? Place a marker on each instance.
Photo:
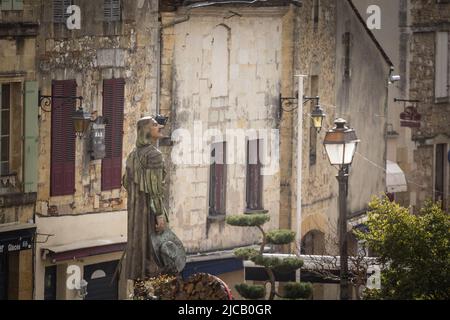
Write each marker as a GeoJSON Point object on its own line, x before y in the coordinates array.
{"type": "Point", "coordinates": [292, 290]}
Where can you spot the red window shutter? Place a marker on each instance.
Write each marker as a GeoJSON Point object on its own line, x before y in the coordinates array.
{"type": "Point", "coordinates": [113, 109]}
{"type": "Point", "coordinates": [62, 173]}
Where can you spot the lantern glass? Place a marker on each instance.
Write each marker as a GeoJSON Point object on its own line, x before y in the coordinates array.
{"type": "Point", "coordinates": [341, 154]}
{"type": "Point", "coordinates": [318, 115]}
{"type": "Point", "coordinates": [340, 144]}
{"type": "Point", "coordinates": [317, 122]}
{"type": "Point", "coordinates": [81, 122]}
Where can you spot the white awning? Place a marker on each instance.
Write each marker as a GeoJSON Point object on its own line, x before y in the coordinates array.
{"type": "Point", "coordinates": [395, 178]}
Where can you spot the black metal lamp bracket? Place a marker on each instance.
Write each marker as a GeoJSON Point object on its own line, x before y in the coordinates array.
{"type": "Point", "coordinates": [46, 101]}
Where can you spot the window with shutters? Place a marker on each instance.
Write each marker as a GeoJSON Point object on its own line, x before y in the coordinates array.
{"type": "Point", "coordinates": [11, 137]}
{"type": "Point", "coordinates": [63, 139]}
{"type": "Point", "coordinates": [111, 10]}
{"type": "Point", "coordinates": [442, 70]}
{"type": "Point", "coordinates": [440, 173]}
{"type": "Point", "coordinates": [11, 5]}
{"type": "Point", "coordinates": [254, 183]}
{"type": "Point", "coordinates": [217, 179]}
{"type": "Point", "coordinates": [60, 14]}
{"type": "Point", "coordinates": [113, 108]}
{"type": "Point", "coordinates": [347, 38]}
{"type": "Point", "coordinates": [316, 12]}
{"type": "Point", "coordinates": [5, 126]}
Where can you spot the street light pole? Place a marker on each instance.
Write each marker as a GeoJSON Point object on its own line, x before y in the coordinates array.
{"type": "Point", "coordinates": [340, 144]}
{"type": "Point", "coordinates": [342, 178]}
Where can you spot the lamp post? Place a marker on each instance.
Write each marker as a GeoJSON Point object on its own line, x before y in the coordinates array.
{"type": "Point", "coordinates": [340, 144]}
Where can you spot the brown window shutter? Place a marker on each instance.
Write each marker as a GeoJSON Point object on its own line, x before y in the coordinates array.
{"type": "Point", "coordinates": [113, 110]}
{"type": "Point", "coordinates": [111, 10]}
{"type": "Point", "coordinates": [60, 14]}
{"type": "Point", "coordinates": [63, 139]}
{"type": "Point", "coordinates": [254, 177]}
{"type": "Point", "coordinates": [218, 177]}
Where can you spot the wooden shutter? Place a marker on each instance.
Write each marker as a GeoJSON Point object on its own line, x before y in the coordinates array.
{"type": "Point", "coordinates": [111, 10]}
{"type": "Point", "coordinates": [60, 14]}
{"type": "Point", "coordinates": [31, 137]}
{"type": "Point", "coordinates": [254, 178]}
{"type": "Point", "coordinates": [113, 109]}
{"type": "Point", "coordinates": [217, 192]}
{"type": "Point", "coordinates": [63, 139]}
{"type": "Point", "coordinates": [439, 172]}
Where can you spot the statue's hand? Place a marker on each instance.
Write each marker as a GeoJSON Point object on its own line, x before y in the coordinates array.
{"type": "Point", "coordinates": [160, 224]}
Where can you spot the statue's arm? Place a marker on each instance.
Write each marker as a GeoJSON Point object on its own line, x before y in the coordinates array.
{"type": "Point", "coordinates": [157, 193]}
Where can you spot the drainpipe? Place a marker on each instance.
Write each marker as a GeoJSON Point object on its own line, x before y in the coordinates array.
{"type": "Point", "coordinates": [159, 59]}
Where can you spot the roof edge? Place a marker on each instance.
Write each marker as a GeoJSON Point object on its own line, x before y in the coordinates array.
{"type": "Point", "coordinates": [370, 33]}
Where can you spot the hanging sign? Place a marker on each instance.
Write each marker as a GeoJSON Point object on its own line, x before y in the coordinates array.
{"type": "Point", "coordinates": [410, 118]}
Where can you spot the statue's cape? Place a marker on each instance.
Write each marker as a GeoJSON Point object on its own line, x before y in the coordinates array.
{"type": "Point", "coordinates": [147, 167]}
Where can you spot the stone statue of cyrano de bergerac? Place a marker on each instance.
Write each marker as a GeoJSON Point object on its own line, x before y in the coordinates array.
{"type": "Point", "coordinates": [152, 248]}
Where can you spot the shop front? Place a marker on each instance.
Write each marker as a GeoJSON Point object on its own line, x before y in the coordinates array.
{"type": "Point", "coordinates": [16, 261]}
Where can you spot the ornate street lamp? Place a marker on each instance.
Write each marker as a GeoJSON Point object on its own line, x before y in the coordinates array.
{"type": "Point", "coordinates": [340, 144]}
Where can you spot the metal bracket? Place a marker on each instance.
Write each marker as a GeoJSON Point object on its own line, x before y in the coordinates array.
{"type": "Point", "coordinates": [46, 101]}
{"type": "Point", "coordinates": [292, 102]}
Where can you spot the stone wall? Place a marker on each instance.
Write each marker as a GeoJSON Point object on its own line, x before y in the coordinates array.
{"type": "Point", "coordinates": [426, 18]}
{"type": "Point", "coordinates": [360, 100]}
{"type": "Point", "coordinates": [17, 65]}
{"type": "Point", "coordinates": [315, 55]}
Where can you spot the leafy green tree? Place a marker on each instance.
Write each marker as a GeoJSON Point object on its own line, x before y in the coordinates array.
{"type": "Point", "coordinates": [292, 290]}
{"type": "Point", "coordinates": [414, 250]}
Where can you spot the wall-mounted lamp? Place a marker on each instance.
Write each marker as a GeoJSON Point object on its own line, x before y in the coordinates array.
{"type": "Point", "coordinates": [289, 104]}
{"type": "Point", "coordinates": [82, 120]}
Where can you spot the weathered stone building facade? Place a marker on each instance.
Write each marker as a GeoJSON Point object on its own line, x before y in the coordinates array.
{"type": "Point", "coordinates": [334, 50]}
{"type": "Point", "coordinates": [18, 144]}
{"type": "Point", "coordinates": [429, 80]}
{"type": "Point", "coordinates": [111, 62]}
{"type": "Point", "coordinates": [209, 67]}
{"type": "Point", "coordinates": [415, 34]}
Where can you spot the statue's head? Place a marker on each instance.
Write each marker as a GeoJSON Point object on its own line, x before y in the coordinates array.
{"type": "Point", "coordinates": [149, 130]}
